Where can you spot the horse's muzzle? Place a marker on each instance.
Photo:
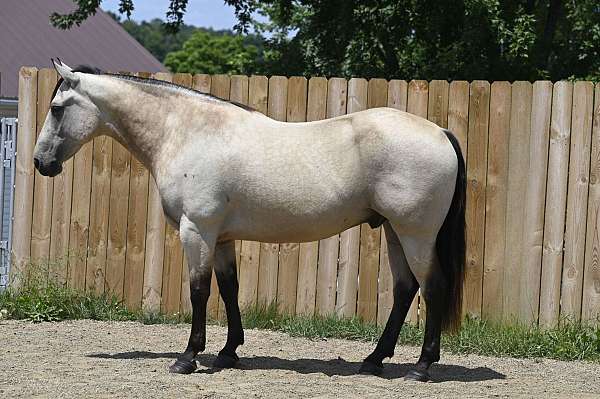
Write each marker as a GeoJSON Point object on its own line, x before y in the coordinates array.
{"type": "Point", "coordinates": [49, 169]}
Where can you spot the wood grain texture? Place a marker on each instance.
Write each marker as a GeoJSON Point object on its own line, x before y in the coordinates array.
{"type": "Point", "coordinates": [479, 107]}
{"type": "Point", "coordinates": [61, 222]}
{"type": "Point", "coordinates": [133, 278]}
{"type": "Point", "coordinates": [117, 220]}
{"type": "Point", "coordinates": [556, 202]}
{"type": "Point", "coordinates": [99, 206]}
{"type": "Point", "coordinates": [43, 185]}
{"type": "Point", "coordinates": [518, 156]}
{"type": "Point", "coordinates": [437, 109]}
{"type": "Point", "coordinates": [24, 174]}
{"type": "Point", "coordinates": [577, 198]}
{"type": "Point", "coordinates": [458, 112]}
{"type": "Point", "coordinates": [535, 199]}
{"type": "Point", "coordinates": [309, 251]}
{"type": "Point", "coordinates": [80, 216]}
{"type": "Point", "coordinates": [590, 311]}
{"type": "Point", "coordinates": [495, 201]}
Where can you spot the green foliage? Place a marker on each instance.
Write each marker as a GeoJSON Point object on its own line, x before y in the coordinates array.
{"type": "Point", "coordinates": [153, 36]}
{"type": "Point", "coordinates": [428, 39]}
{"type": "Point", "coordinates": [470, 39]}
{"type": "Point", "coordinates": [208, 53]}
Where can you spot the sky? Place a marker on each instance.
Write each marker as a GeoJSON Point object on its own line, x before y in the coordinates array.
{"type": "Point", "coordinates": [206, 13]}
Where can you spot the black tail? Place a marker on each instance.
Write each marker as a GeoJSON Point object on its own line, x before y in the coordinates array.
{"type": "Point", "coordinates": [450, 246]}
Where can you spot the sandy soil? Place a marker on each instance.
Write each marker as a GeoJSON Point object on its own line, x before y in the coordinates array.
{"type": "Point", "coordinates": [125, 359]}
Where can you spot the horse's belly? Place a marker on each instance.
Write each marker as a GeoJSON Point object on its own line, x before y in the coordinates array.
{"type": "Point", "coordinates": [281, 227]}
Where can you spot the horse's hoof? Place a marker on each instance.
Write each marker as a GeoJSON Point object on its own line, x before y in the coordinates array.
{"type": "Point", "coordinates": [417, 375]}
{"type": "Point", "coordinates": [370, 368]}
{"type": "Point", "coordinates": [225, 361]}
{"type": "Point", "coordinates": [182, 366]}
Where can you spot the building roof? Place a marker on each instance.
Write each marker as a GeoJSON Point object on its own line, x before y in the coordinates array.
{"type": "Point", "coordinates": [28, 39]}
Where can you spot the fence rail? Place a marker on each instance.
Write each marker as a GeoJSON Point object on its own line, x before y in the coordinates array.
{"type": "Point", "coordinates": [533, 160]}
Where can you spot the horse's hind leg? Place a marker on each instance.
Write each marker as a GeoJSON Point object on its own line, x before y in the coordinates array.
{"type": "Point", "coordinates": [228, 286]}
{"type": "Point", "coordinates": [422, 259]}
{"type": "Point", "coordinates": [405, 288]}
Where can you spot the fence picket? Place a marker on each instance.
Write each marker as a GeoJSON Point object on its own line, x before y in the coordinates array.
{"type": "Point", "coordinates": [535, 198]}
{"type": "Point", "coordinates": [518, 153]}
{"type": "Point", "coordinates": [458, 112]}
{"type": "Point", "coordinates": [495, 200]}
{"type": "Point", "coordinates": [43, 186]}
{"type": "Point", "coordinates": [556, 202]}
{"type": "Point", "coordinates": [590, 311]}
{"type": "Point", "coordinates": [24, 174]}
{"type": "Point", "coordinates": [479, 103]}
{"type": "Point", "coordinates": [117, 220]}
{"type": "Point", "coordinates": [579, 172]}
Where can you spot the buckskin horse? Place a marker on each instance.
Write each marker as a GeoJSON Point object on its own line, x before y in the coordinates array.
{"type": "Point", "coordinates": [225, 172]}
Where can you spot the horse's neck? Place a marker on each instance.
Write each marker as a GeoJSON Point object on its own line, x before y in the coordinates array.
{"type": "Point", "coordinates": [141, 121]}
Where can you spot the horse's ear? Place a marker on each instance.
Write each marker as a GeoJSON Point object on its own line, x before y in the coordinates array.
{"type": "Point", "coordinates": [66, 72]}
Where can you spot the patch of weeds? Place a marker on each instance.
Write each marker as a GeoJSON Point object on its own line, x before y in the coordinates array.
{"type": "Point", "coordinates": [39, 299]}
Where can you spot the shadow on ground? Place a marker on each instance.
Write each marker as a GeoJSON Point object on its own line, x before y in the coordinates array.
{"type": "Point", "coordinates": [339, 366]}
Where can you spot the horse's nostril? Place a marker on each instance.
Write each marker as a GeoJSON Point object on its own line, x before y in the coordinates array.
{"type": "Point", "coordinates": [36, 163]}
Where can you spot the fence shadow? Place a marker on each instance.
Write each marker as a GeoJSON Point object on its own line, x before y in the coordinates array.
{"type": "Point", "coordinates": [339, 366]}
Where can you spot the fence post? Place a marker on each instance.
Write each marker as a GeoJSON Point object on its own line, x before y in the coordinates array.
{"type": "Point", "coordinates": [22, 213]}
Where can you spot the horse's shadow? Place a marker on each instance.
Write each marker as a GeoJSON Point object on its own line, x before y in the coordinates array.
{"type": "Point", "coordinates": [339, 366]}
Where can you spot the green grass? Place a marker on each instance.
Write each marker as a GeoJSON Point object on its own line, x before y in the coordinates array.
{"type": "Point", "coordinates": [571, 341]}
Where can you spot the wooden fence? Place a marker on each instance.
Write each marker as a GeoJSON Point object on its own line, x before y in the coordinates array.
{"type": "Point", "coordinates": [533, 160]}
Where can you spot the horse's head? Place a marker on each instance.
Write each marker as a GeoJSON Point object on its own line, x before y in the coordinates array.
{"type": "Point", "coordinates": [72, 121]}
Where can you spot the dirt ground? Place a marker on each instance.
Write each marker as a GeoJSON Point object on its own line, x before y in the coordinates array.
{"type": "Point", "coordinates": [125, 359]}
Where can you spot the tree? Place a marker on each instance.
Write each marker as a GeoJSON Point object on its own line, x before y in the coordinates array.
{"type": "Point", "coordinates": [446, 39]}
{"type": "Point", "coordinates": [151, 35]}
{"type": "Point", "coordinates": [210, 53]}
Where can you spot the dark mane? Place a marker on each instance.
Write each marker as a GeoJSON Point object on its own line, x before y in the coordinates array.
{"type": "Point", "coordinates": [96, 71]}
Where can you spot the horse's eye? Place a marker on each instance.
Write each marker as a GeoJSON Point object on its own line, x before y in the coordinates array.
{"type": "Point", "coordinates": [56, 110]}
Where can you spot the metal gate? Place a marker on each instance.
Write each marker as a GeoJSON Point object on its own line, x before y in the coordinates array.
{"type": "Point", "coordinates": [8, 153]}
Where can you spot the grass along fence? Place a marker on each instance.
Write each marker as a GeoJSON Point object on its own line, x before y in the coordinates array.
{"type": "Point", "coordinates": [533, 158]}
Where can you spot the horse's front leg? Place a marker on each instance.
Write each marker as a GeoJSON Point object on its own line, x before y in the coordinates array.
{"type": "Point", "coordinates": [228, 286]}
{"type": "Point", "coordinates": [199, 247]}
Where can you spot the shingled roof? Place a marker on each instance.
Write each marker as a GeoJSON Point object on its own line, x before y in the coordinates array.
{"type": "Point", "coordinates": [27, 38]}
